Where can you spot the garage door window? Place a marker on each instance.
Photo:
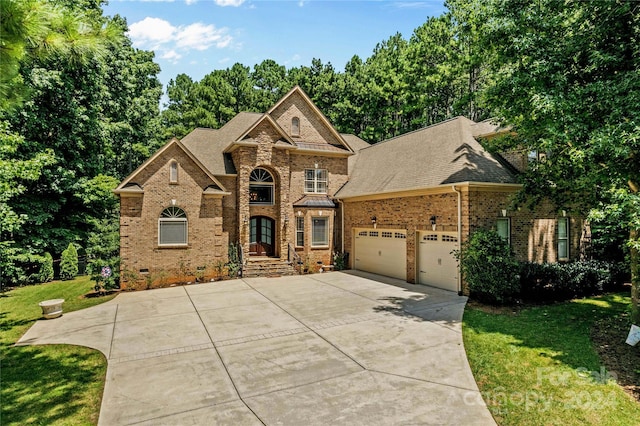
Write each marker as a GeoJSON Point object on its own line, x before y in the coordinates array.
{"type": "Point", "coordinates": [320, 232]}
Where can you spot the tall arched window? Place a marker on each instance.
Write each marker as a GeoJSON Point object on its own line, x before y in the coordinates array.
{"type": "Point", "coordinates": [173, 172]}
{"type": "Point", "coordinates": [261, 185]}
{"type": "Point", "coordinates": [295, 126]}
{"type": "Point", "coordinates": [172, 227]}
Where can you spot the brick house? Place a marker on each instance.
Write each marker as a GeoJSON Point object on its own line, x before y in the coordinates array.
{"type": "Point", "coordinates": [287, 182]}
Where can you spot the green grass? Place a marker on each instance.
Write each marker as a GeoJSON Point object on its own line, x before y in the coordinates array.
{"type": "Point", "coordinates": [52, 384]}
{"type": "Point", "coordinates": [537, 366]}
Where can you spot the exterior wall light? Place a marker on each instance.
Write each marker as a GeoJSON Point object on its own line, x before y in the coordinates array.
{"type": "Point", "coordinates": [433, 222]}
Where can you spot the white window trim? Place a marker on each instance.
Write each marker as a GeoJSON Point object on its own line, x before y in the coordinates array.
{"type": "Point", "coordinates": [565, 239]}
{"type": "Point", "coordinates": [508, 221]}
{"type": "Point", "coordinates": [315, 181]}
{"type": "Point", "coordinates": [271, 185]}
{"type": "Point", "coordinates": [184, 220]}
{"type": "Point", "coordinates": [300, 230]}
{"type": "Point", "coordinates": [186, 232]}
{"type": "Point", "coordinates": [325, 243]}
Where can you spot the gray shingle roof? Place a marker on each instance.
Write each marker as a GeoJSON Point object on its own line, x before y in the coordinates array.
{"type": "Point", "coordinates": [444, 153]}
{"type": "Point", "coordinates": [208, 144]}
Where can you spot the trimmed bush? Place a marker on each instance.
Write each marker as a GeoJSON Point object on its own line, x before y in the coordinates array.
{"type": "Point", "coordinates": [563, 281]}
{"type": "Point", "coordinates": [69, 263]}
{"type": "Point", "coordinates": [489, 268]}
{"type": "Point", "coordinates": [45, 274]}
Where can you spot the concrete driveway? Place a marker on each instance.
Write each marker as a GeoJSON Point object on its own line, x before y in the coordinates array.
{"type": "Point", "coordinates": [339, 348]}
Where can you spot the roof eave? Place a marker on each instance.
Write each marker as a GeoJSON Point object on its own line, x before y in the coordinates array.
{"type": "Point", "coordinates": [438, 189]}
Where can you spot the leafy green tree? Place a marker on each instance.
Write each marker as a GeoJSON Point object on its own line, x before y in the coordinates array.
{"type": "Point", "coordinates": [69, 263]}
{"type": "Point", "coordinates": [568, 82]}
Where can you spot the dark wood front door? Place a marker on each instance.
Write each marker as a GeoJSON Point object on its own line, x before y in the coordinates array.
{"type": "Point", "coordinates": [261, 236]}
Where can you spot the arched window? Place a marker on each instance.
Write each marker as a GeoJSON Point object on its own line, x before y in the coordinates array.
{"type": "Point", "coordinates": [173, 172]}
{"type": "Point", "coordinates": [261, 185]}
{"type": "Point", "coordinates": [172, 227]}
{"type": "Point", "coordinates": [295, 126]}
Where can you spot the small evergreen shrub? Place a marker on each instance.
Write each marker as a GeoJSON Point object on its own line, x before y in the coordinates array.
{"type": "Point", "coordinates": [544, 282]}
{"type": "Point", "coordinates": [489, 268]}
{"type": "Point", "coordinates": [103, 254]}
{"type": "Point", "coordinates": [69, 263]}
{"type": "Point", "coordinates": [45, 274]}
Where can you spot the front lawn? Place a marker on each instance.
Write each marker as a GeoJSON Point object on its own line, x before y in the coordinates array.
{"type": "Point", "coordinates": [538, 365]}
{"type": "Point", "coordinates": [52, 384]}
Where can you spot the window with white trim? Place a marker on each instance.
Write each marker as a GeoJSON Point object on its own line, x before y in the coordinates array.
{"type": "Point", "coordinates": [315, 181]}
{"type": "Point", "coordinates": [261, 186]}
{"type": "Point", "coordinates": [320, 232]}
{"type": "Point", "coordinates": [563, 238]}
{"type": "Point", "coordinates": [503, 227]}
{"type": "Point", "coordinates": [173, 227]}
{"type": "Point", "coordinates": [300, 231]}
{"type": "Point", "coordinates": [173, 172]}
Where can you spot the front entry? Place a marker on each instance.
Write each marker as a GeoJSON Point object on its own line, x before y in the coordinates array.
{"type": "Point", "coordinates": [261, 236]}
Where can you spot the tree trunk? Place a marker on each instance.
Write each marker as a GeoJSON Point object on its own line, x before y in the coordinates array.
{"type": "Point", "coordinates": [635, 279]}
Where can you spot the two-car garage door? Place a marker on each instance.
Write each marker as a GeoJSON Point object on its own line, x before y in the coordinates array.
{"type": "Point", "coordinates": [384, 252]}
{"type": "Point", "coordinates": [381, 251]}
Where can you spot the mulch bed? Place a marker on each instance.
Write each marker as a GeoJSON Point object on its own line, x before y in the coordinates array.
{"type": "Point", "coordinates": [608, 337]}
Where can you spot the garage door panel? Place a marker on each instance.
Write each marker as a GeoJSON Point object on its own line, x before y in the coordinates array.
{"type": "Point", "coordinates": [437, 266]}
{"type": "Point", "coordinates": [381, 252]}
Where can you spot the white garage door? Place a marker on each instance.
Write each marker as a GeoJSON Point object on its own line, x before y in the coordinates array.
{"type": "Point", "coordinates": [437, 266]}
{"type": "Point", "coordinates": [381, 251]}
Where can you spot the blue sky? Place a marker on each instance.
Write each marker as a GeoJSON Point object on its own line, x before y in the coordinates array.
{"type": "Point", "coordinates": [196, 37]}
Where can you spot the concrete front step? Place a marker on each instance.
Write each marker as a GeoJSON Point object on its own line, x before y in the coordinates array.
{"type": "Point", "coordinates": [267, 268]}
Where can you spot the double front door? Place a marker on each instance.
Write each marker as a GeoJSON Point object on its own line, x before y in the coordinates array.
{"type": "Point", "coordinates": [261, 236]}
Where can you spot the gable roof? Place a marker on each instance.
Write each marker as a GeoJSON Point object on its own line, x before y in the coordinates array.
{"type": "Point", "coordinates": [297, 91]}
{"type": "Point", "coordinates": [128, 185]}
{"type": "Point", "coordinates": [445, 153]}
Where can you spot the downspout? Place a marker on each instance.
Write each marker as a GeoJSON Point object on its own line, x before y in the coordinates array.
{"type": "Point", "coordinates": [342, 226]}
{"type": "Point", "coordinates": [459, 235]}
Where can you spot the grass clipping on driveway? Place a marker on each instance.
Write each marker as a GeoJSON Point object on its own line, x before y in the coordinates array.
{"type": "Point", "coordinates": [538, 365]}
{"type": "Point", "coordinates": [51, 384]}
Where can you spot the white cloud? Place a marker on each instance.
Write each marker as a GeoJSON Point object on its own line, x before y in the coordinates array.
{"type": "Point", "coordinates": [171, 56]}
{"type": "Point", "coordinates": [188, 2]}
{"type": "Point", "coordinates": [234, 3]}
{"type": "Point", "coordinates": [200, 37]}
{"type": "Point", "coordinates": [167, 40]}
{"type": "Point", "coordinates": [151, 31]}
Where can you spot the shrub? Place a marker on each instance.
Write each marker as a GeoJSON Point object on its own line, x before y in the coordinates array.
{"type": "Point", "coordinates": [45, 274]}
{"type": "Point", "coordinates": [563, 281]}
{"type": "Point", "coordinates": [489, 268]}
{"type": "Point", "coordinates": [103, 250]}
{"type": "Point", "coordinates": [69, 263]}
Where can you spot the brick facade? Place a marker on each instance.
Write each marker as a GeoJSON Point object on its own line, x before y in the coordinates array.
{"type": "Point", "coordinates": [533, 233]}
{"type": "Point", "coordinates": [219, 211]}
{"type": "Point", "coordinates": [142, 258]}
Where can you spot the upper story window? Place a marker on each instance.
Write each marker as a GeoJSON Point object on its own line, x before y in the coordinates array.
{"type": "Point", "coordinates": [261, 185]}
{"type": "Point", "coordinates": [173, 172]}
{"type": "Point", "coordinates": [172, 227]}
{"type": "Point", "coordinates": [315, 181]}
{"type": "Point", "coordinates": [295, 126]}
